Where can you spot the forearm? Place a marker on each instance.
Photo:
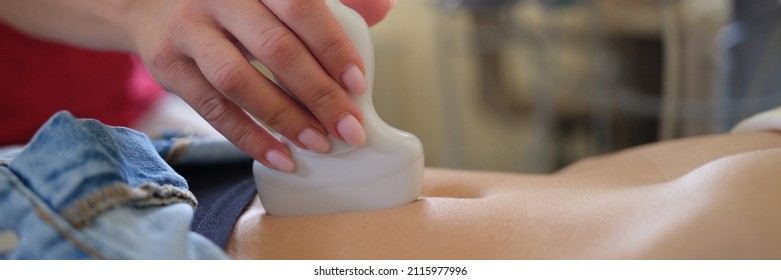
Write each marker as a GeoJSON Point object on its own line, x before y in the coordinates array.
{"type": "Point", "coordinates": [93, 24]}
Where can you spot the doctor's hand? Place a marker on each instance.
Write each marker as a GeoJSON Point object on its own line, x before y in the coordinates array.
{"type": "Point", "coordinates": [198, 49]}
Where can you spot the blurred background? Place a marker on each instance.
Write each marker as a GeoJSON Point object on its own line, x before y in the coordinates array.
{"type": "Point", "coordinates": [533, 85]}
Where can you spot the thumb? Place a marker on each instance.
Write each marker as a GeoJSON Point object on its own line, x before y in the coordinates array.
{"type": "Point", "coordinates": [373, 11]}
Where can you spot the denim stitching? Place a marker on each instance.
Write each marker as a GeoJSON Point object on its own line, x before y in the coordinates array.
{"type": "Point", "coordinates": [65, 234]}
{"type": "Point", "coordinates": [43, 211]}
{"type": "Point", "coordinates": [164, 195]}
{"type": "Point", "coordinates": [81, 213]}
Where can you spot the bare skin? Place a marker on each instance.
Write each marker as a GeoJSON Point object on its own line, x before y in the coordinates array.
{"type": "Point", "coordinates": [712, 197]}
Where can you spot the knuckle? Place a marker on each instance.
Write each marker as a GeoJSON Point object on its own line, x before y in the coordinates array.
{"type": "Point", "coordinates": [325, 96]}
{"type": "Point", "coordinates": [334, 44]}
{"type": "Point", "coordinates": [165, 60]}
{"type": "Point", "coordinates": [167, 66]}
{"type": "Point", "coordinates": [213, 109]}
{"type": "Point", "coordinates": [277, 46]}
{"type": "Point", "coordinates": [299, 8]}
{"type": "Point", "coordinates": [227, 76]}
{"type": "Point", "coordinates": [278, 117]}
{"type": "Point", "coordinates": [163, 55]}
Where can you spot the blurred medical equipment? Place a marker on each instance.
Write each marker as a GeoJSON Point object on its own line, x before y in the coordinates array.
{"type": "Point", "coordinates": [588, 77]}
{"type": "Point", "coordinates": [386, 172]}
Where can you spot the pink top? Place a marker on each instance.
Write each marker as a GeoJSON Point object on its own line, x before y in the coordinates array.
{"type": "Point", "coordinates": [39, 78]}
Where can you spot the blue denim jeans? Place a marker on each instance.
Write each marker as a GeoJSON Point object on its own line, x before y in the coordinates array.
{"type": "Point", "coordinates": [84, 190]}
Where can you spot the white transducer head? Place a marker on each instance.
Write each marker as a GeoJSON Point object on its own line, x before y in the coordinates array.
{"type": "Point", "coordinates": [387, 171]}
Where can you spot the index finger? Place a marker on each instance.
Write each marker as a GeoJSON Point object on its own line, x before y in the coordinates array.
{"type": "Point", "coordinates": [322, 34]}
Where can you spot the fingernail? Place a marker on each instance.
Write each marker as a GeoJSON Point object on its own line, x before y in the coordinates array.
{"type": "Point", "coordinates": [314, 140]}
{"type": "Point", "coordinates": [351, 130]}
{"type": "Point", "coordinates": [280, 161]}
{"type": "Point", "coordinates": [354, 80]}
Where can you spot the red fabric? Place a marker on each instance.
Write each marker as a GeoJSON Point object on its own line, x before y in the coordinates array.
{"type": "Point", "coordinates": [39, 78]}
